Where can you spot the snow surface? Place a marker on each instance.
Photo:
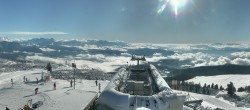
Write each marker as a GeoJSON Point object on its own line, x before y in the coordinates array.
{"type": "Point", "coordinates": [66, 98]}
{"type": "Point", "coordinates": [63, 98]}
{"type": "Point", "coordinates": [238, 80]}
{"type": "Point", "coordinates": [212, 102]}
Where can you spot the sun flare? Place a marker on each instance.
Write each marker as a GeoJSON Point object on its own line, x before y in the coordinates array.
{"type": "Point", "coordinates": [175, 5]}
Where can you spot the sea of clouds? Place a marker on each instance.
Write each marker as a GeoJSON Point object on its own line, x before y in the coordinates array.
{"type": "Point", "coordinates": [185, 55]}
{"type": "Point", "coordinates": [109, 55]}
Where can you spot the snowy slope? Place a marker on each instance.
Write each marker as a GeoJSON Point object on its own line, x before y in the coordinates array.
{"type": "Point", "coordinates": [212, 102]}
{"type": "Point", "coordinates": [66, 98]}
{"type": "Point", "coordinates": [238, 80]}
{"type": "Point", "coordinates": [63, 98]}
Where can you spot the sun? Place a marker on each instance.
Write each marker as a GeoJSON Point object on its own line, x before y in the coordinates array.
{"type": "Point", "coordinates": [174, 4]}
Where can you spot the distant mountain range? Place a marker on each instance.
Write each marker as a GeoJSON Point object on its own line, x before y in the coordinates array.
{"type": "Point", "coordinates": [15, 46]}
{"type": "Point", "coordinates": [64, 48]}
{"type": "Point", "coordinates": [13, 50]}
{"type": "Point", "coordinates": [41, 42]}
{"type": "Point", "coordinates": [49, 47]}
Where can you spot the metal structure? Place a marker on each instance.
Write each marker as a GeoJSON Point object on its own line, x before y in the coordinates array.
{"type": "Point", "coordinates": [91, 104]}
{"type": "Point", "coordinates": [138, 58]}
{"type": "Point", "coordinates": [191, 101]}
{"type": "Point", "coordinates": [139, 87]}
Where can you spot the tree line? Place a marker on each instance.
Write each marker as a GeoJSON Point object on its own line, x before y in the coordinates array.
{"type": "Point", "coordinates": [208, 89]}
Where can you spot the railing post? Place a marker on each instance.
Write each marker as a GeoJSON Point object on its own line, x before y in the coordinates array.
{"type": "Point", "coordinates": [74, 78]}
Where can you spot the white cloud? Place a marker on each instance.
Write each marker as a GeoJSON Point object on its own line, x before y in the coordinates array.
{"type": "Point", "coordinates": [141, 45]}
{"type": "Point", "coordinates": [155, 59]}
{"type": "Point", "coordinates": [224, 46]}
{"type": "Point", "coordinates": [126, 54]}
{"type": "Point", "coordinates": [157, 55]}
{"type": "Point", "coordinates": [241, 61]}
{"type": "Point", "coordinates": [33, 33]}
{"type": "Point", "coordinates": [222, 61]}
{"type": "Point", "coordinates": [86, 47]}
{"type": "Point", "coordinates": [219, 61]}
{"type": "Point", "coordinates": [188, 56]}
{"type": "Point", "coordinates": [109, 63]}
{"type": "Point", "coordinates": [182, 47]}
{"type": "Point", "coordinates": [97, 57]}
{"type": "Point", "coordinates": [46, 59]}
{"type": "Point", "coordinates": [241, 54]}
{"type": "Point", "coordinates": [47, 49]}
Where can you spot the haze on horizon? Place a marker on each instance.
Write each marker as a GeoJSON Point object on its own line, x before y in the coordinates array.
{"type": "Point", "coordinates": [199, 21]}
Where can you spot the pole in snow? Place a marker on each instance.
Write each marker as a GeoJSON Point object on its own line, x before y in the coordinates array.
{"type": "Point", "coordinates": [74, 78]}
{"type": "Point", "coordinates": [99, 87]}
{"type": "Point", "coordinates": [74, 66]}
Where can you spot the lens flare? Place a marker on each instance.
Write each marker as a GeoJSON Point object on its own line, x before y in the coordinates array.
{"type": "Point", "coordinates": [175, 5]}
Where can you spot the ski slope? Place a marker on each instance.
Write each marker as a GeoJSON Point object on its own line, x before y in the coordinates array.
{"type": "Point", "coordinates": [63, 98]}
{"type": "Point", "coordinates": [211, 101]}
{"type": "Point", "coordinates": [238, 80]}
{"type": "Point", "coordinates": [214, 101]}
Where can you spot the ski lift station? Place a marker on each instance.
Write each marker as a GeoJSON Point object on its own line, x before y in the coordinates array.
{"type": "Point", "coordinates": [139, 87]}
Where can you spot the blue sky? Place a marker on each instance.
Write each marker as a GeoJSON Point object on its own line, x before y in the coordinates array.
{"type": "Point", "coordinates": [199, 21]}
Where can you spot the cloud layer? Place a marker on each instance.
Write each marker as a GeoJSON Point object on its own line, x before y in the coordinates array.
{"type": "Point", "coordinates": [107, 54]}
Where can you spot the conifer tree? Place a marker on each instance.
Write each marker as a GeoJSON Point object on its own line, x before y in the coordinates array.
{"type": "Point", "coordinates": [205, 85]}
{"type": "Point", "coordinates": [241, 89]}
{"type": "Point", "coordinates": [208, 91]}
{"type": "Point", "coordinates": [49, 67]}
{"type": "Point", "coordinates": [221, 88]}
{"type": "Point", "coordinates": [216, 87]}
{"type": "Point", "coordinates": [204, 90]}
{"type": "Point", "coordinates": [208, 86]}
{"type": "Point", "coordinates": [212, 85]}
{"type": "Point", "coordinates": [230, 89]}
